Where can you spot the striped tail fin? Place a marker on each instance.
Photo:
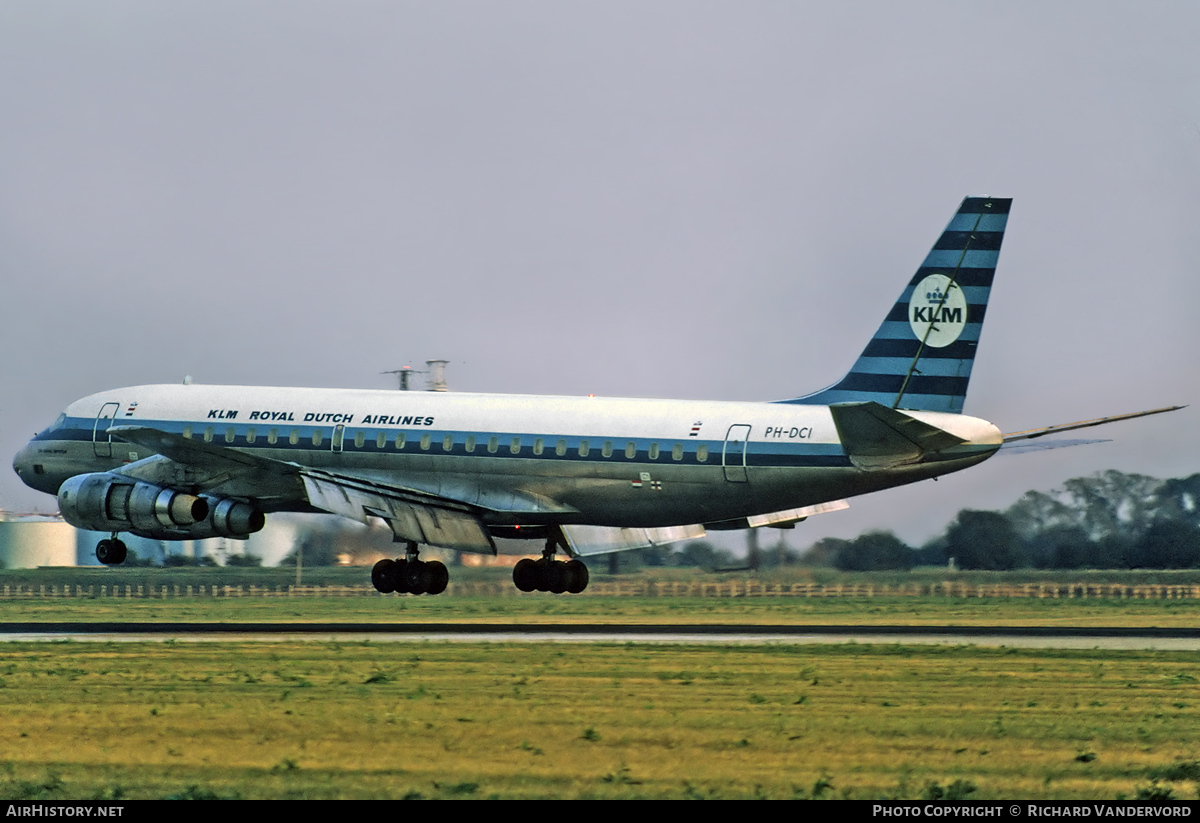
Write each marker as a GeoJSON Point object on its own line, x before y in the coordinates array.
{"type": "Point", "coordinates": [921, 357]}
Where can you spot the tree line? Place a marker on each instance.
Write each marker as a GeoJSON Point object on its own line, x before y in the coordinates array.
{"type": "Point", "coordinates": [1109, 520]}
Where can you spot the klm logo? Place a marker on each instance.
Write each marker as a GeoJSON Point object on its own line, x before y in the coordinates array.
{"type": "Point", "coordinates": [937, 311]}
{"type": "Point", "coordinates": [937, 314]}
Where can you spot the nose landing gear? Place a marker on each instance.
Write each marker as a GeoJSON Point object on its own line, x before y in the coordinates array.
{"type": "Point", "coordinates": [410, 574]}
{"type": "Point", "coordinates": [111, 551]}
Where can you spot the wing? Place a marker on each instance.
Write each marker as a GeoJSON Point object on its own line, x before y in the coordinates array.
{"type": "Point", "coordinates": [1016, 442]}
{"type": "Point", "coordinates": [589, 540]}
{"type": "Point", "coordinates": [412, 514]}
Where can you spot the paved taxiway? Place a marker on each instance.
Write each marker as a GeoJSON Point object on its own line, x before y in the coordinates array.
{"type": "Point", "coordinates": [1032, 637]}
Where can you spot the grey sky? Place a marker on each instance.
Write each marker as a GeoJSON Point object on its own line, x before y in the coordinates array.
{"type": "Point", "coordinates": [671, 199]}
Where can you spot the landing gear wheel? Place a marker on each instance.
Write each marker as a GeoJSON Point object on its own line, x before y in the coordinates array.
{"type": "Point", "coordinates": [577, 576]}
{"type": "Point", "coordinates": [556, 576]}
{"type": "Point", "coordinates": [383, 576]}
{"type": "Point", "coordinates": [416, 577]}
{"type": "Point", "coordinates": [525, 574]}
{"type": "Point", "coordinates": [111, 552]}
{"type": "Point", "coordinates": [400, 576]}
{"type": "Point", "coordinates": [437, 577]}
{"type": "Point", "coordinates": [540, 579]}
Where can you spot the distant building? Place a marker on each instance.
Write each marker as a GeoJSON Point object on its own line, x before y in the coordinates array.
{"type": "Point", "coordinates": [28, 541]}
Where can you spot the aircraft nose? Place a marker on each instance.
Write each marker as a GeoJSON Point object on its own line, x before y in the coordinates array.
{"type": "Point", "coordinates": [23, 466]}
{"type": "Point", "coordinates": [21, 462]}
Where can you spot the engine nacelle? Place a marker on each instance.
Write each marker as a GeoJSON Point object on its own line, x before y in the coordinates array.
{"type": "Point", "coordinates": [107, 502]}
{"type": "Point", "coordinates": [228, 518]}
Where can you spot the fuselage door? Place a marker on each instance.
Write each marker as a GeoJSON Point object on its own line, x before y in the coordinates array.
{"type": "Point", "coordinates": [101, 439]}
{"type": "Point", "coordinates": [733, 456]}
{"type": "Point", "coordinates": [339, 434]}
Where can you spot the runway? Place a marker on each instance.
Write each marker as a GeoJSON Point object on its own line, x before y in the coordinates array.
{"type": "Point", "coordinates": [1033, 637]}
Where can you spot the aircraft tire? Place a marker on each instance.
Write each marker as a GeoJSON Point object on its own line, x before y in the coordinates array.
{"type": "Point", "coordinates": [416, 577]}
{"type": "Point", "coordinates": [111, 552]}
{"type": "Point", "coordinates": [400, 576]}
{"type": "Point", "coordinates": [525, 574]}
{"type": "Point", "coordinates": [540, 580]}
{"type": "Point", "coordinates": [438, 576]}
{"type": "Point", "coordinates": [383, 576]}
{"type": "Point", "coordinates": [557, 576]}
{"type": "Point", "coordinates": [577, 576]}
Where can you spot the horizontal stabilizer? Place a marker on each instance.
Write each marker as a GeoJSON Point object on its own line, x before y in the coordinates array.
{"type": "Point", "coordinates": [876, 437]}
{"type": "Point", "coordinates": [1022, 446]}
{"type": "Point", "coordinates": [1030, 434]}
{"type": "Point", "coordinates": [590, 540]}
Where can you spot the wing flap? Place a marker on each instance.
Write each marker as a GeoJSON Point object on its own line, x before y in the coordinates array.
{"type": "Point", "coordinates": [432, 521]}
{"type": "Point", "coordinates": [590, 540]}
{"type": "Point", "coordinates": [796, 515]}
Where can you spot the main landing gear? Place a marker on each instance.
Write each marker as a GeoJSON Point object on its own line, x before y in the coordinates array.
{"type": "Point", "coordinates": [111, 551]}
{"type": "Point", "coordinates": [409, 574]}
{"type": "Point", "coordinates": [550, 575]}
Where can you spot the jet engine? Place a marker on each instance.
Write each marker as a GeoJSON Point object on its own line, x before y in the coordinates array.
{"type": "Point", "coordinates": [108, 502]}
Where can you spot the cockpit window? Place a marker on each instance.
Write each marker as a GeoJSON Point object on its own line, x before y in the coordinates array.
{"type": "Point", "coordinates": [55, 426]}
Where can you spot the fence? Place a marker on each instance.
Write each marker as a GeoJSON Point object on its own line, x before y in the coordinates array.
{"type": "Point", "coordinates": [637, 588]}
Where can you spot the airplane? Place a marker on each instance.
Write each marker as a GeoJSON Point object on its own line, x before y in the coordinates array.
{"type": "Point", "coordinates": [586, 475]}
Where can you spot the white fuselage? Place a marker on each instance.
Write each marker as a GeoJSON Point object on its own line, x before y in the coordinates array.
{"type": "Point", "coordinates": [520, 459]}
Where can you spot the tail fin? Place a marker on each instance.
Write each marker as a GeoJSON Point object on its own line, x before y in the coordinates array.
{"type": "Point", "coordinates": [921, 356]}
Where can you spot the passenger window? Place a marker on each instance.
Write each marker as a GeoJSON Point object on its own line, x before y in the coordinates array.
{"type": "Point", "coordinates": [317, 437]}
{"type": "Point", "coordinates": [381, 440]}
{"type": "Point", "coordinates": [560, 448]}
{"type": "Point", "coordinates": [677, 451]}
{"type": "Point", "coordinates": [470, 444]}
{"type": "Point", "coordinates": [701, 454]}
{"type": "Point", "coordinates": [187, 432]}
{"type": "Point", "coordinates": [294, 437]}
{"type": "Point", "coordinates": [400, 440]}
{"type": "Point", "coordinates": [584, 448]}
{"type": "Point", "coordinates": [448, 443]}
{"type": "Point", "coordinates": [653, 451]}
{"type": "Point", "coordinates": [208, 434]}
{"type": "Point", "coordinates": [538, 446]}
{"type": "Point", "coordinates": [230, 434]}
{"type": "Point", "coordinates": [425, 441]}
{"type": "Point", "coordinates": [251, 435]}
{"type": "Point", "coordinates": [631, 450]}
{"type": "Point", "coordinates": [273, 436]}
{"type": "Point", "coordinates": [515, 445]}
{"type": "Point", "coordinates": [607, 449]}
{"type": "Point", "coordinates": [360, 437]}
{"type": "Point", "coordinates": [493, 444]}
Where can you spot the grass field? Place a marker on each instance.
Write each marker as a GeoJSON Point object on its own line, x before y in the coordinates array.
{"type": "Point", "coordinates": [281, 720]}
{"type": "Point", "coordinates": [474, 720]}
{"type": "Point", "coordinates": [543, 608]}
